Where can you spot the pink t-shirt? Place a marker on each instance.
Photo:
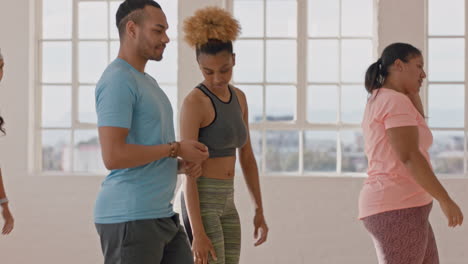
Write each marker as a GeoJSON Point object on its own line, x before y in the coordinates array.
{"type": "Point", "coordinates": [389, 185]}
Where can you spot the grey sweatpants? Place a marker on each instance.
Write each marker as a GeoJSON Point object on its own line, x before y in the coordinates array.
{"type": "Point", "coordinates": [152, 241]}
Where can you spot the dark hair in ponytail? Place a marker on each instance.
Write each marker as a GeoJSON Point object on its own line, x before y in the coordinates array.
{"type": "Point", "coordinates": [378, 71]}
{"type": "Point", "coordinates": [214, 46]}
{"type": "Point", "coordinates": [1, 125]}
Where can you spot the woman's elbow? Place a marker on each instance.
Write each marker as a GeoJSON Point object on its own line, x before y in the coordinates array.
{"type": "Point", "coordinates": [409, 158]}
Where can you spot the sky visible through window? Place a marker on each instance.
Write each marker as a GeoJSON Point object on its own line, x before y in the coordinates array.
{"type": "Point", "coordinates": [270, 70]}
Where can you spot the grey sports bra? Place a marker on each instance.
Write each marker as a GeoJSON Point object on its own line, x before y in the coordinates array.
{"type": "Point", "coordinates": [227, 131]}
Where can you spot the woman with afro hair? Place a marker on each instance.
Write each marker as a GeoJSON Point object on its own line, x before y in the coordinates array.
{"type": "Point", "coordinates": [216, 114]}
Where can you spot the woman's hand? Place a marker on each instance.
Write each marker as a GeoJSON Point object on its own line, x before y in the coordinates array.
{"type": "Point", "coordinates": [9, 221]}
{"type": "Point", "coordinates": [260, 226]}
{"type": "Point", "coordinates": [193, 169]}
{"type": "Point", "coordinates": [201, 248]}
{"type": "Point", "coordinates": [452, 212]}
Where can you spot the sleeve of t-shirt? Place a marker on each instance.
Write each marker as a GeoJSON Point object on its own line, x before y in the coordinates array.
{"type": "Point", "coordinates": [115, 101]}
{"type": "Point", "coordinates": [399, 112]}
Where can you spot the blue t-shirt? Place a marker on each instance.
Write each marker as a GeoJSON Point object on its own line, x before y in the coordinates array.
{"type": "Point", "coordinates": [130, 99]}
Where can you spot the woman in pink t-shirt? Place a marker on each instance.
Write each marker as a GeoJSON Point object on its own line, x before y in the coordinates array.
{"type": "Point", "coordinates": [396, 199]}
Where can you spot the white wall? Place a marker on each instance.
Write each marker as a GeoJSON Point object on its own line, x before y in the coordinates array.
{"type": "Point", "coordinates": [312, 220]}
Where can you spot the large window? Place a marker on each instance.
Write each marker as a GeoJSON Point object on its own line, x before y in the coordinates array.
{"type": "Point", "coordinates": [446, 91]}
{"type": "Point", "coordinates": [301, 64]}
{"type": "Point", "coordinates": [77, 40]}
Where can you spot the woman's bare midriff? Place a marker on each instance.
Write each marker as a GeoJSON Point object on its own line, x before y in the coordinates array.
{"type": "Point", "coordinates": [219, 168]}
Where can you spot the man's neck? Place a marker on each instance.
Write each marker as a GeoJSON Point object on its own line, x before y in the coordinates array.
{"type": "Point", "coordinates": [133, 59]}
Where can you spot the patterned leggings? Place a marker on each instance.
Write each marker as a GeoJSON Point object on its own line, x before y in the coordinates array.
{"type": "Point", "coordinates": [403, 236]}
{"type": "Point", "coordinates": [220, 218]}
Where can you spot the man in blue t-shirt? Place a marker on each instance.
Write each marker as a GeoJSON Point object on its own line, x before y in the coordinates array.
{"type": "Point", "coordinates": [133, 213]}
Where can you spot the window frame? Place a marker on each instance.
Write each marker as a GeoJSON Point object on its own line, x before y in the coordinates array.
{"type": "Point", "coordinates": [75, 84]}
{"type": "Point", "coordinates": [301, 124]}
{"type": "Point", "coordinates": [426, 93]}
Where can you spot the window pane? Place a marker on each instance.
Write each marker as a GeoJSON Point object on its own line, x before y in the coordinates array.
{"type": "Point", "coordinates": [322, 103]}
{"type": "Point", "coordinates": [353, 103]}
{"type": "Point", "coordinates": [56, 19]}
{"type": "Point", "coordinates": [446, 105]}
{"type": "Point", "coordinates": [92, 20]}
{"type": "Point", "coordinates": [87, 106]}
{"type": "Point", "coordinates": [357, 18]}
{"type": "Point", "coordinates": [356, 57]}
{"type": "Point", "coordinates": [87, 152]}
{"type": "Point", "coordinates": [56, 106]}
{"type": "Point", "coordinates": [323, 18]}
{"type": "Point", "coordinates": [56, 150]}
{"type": "Point", "coordinates": [171, 92]}
{"type": "Point", "coordinates": [447, 152]}
{"type": "Point", "coordinates": [446, 59]}
{"type": "Point", "coordinates": [281, 18]}
{"type": "Point", "coordinates": [114, 32]}
{"type": "Point", "coordinates": [254, 94]}
{"type": "Point", "coordinates": [352, 148]}
{"type": "Point", "coordinates": [250, 16]}
{"type": "Point", "coordinates": [320, 151]}
{"type": "Point", "coordinates": [256, 140]}
{"type": "Point", "coordinates": [92, 61]}
{"type": "Point", "coordinates": [249, 61]}
{"type": "Point", "coordinates": [323, 61]}
{"type": "Point", "coordinates": [170, 10]}
{"type": "Point", "coordinates": [282, 151]}
{"type": "Point", "coordinates": [114, 50]}
{"type": "Point", "coordinates": [281, 61]}
{"type": "Point", "coordinates": [56, 62]}
{"type": "Point", "coordinates": [165, 71]}
{"type": "Point", "coordinates": [446, 17]}
{"type": "Point", "coordinates": [280, 103]}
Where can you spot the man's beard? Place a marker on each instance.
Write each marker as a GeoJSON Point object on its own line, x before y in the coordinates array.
{"type": "Point", "coordinates": [154, 58]}
{"type": "Point", "coordinates": [150, 55]}
{"type": "Point", "coordinates": [159, 56]}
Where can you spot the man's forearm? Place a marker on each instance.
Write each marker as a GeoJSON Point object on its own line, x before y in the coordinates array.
{"type": "Point", "coordinates": [131, 155]}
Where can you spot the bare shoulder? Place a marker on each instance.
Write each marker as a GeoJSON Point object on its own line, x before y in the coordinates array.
{"type": "Point", "coordinates": [240, 94]}
{"type": "Point", "coordinates": [197, 108]}
{"type": "Point", "coordinates": [238, 91]}
{"type": "Point", "coordinates": [241, 98]}
{"type": "Point", "coordinates": [195, 99]}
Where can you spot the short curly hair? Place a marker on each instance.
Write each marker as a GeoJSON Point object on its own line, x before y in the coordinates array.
{"type": "Point", "coordinates": [211, 30]}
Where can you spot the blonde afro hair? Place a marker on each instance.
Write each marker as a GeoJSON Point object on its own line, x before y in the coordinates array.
{"type": "Point", "coordinates": [210, 23]}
